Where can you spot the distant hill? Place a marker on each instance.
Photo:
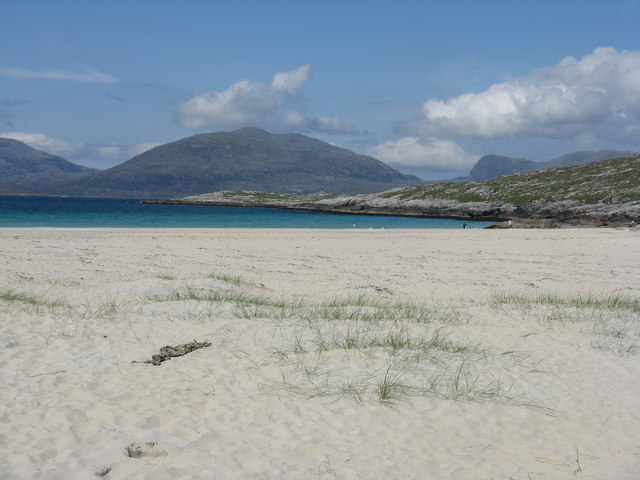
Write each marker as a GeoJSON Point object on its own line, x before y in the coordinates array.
{"type": "Point", "coordinates": [493, 166]}
{"type": "Point", "coordinates": [25, 168]}
{"type": "Point", "coordinates": [246, 159]}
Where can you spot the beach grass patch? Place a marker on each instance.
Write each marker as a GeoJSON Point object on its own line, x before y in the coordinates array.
{"type": "Point", "coordinates": [12, 296]}
{"type": "Point", "coordinates": [616, 302]}
{"type": "Point", "coordinates": [185, 293]}
{"type": "Point", "coordinates": [612, 320]}
{"type": "Point", "coordinates": [236, 280]}
{"type": "Point", "coordinates": [166, 276]}
{"type": "Point", "coordinates": [390, 388]}
{"type": "Point", "coordinates": [358, 308]}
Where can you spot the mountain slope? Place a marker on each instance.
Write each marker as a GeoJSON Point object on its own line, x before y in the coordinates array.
{"type": "Point", "coordinates": [23, 167]}
{"type": "Point", "coordinates": [246, 159]}
{"type": "Point", "coordinates": [493, 166]}
{"type": "Point", "coordinates": [613, 181]}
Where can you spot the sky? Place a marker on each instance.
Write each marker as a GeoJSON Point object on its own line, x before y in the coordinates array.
{"type": "Point", "coordinates": [427, 87]}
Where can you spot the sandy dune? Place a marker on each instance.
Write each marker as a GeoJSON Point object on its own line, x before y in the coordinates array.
{"type": "Point", "coordinates": [373, 354]}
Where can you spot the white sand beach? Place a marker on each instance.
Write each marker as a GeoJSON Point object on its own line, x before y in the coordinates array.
{"type": "Point", "coordinates": [370, 354]}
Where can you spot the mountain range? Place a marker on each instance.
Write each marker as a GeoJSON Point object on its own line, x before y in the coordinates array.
{"type": "Point", "coordinates": [249, 159]}
{"type": "Point", "coordinates": [246, 159]}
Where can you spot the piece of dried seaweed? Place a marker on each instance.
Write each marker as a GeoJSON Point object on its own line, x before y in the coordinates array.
{"type": "Point", "coordinates": [167, 352]}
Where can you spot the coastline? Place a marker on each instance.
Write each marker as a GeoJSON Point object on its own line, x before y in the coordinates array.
{"type": "Point", "coordinates": [267, 399]}
{"type": "Point", "coordinates": [553, 215]}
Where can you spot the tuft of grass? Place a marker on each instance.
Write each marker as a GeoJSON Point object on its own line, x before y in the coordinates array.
{"type": "Point", "coordinates": [206, 295]}
{"type": "Point", "coordinates": [32, 300]}
{"type": "Point", "coordinates": [390, 388]}
{"type": "Point", "coordinates": [357, 335]}
{"type": "Point", "coordinates": [167, 277]}
{"type": "Point", "coordinates": [355, 388]}
{"type": "Point", "coordinates": [311, 364]}
{"type": "Point", "coordinates": [462, 384]}
{"type": "Point", "coordinates": [192, 313]}
{"type": "Point", "coordinates": [613, 320]}
{"type": "Point", "coordinates": [615, 302]}
{"type": "Point", "coordinates": [360, 308]}
{"type": "Point", "coordinates": [236, 280]}
{"type": "Point", "coordinates": [466, 384]}
{"type": "Point", "coordinates": [617, 333]}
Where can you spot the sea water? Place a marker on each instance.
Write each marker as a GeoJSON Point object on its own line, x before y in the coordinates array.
{"type": "Point", "coordinates": [77, 212]}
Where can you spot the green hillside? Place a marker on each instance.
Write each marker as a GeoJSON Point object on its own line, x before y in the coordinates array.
{"type": "Point", "coordinates": [614, 181]}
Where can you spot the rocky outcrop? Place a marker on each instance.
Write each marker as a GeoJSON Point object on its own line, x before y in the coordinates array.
{"type": "Point", "coordinates": [555, 214]}
{"type": "Point", "coordinates": [549, 215]}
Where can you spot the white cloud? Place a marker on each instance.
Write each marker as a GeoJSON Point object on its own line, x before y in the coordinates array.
{"type": "Point", "coordinates": [246, 104]}
{"type": "Point", "coordinates": [91, 155]}
{"type": "Point", "coordinates": [291, 83]}
{"type": "Point", "coordinates": [429, 153]}
{"type": "Point", "coordinates": [595, 95]}
{"type": "Point", "coordinates": [243, 103]}
{"type": "Point", "coordinates": [295, 119]}
{"type": "Point", "coordinates": [40, 141]}
{"type": "Point", "coordinates": [85, 74]}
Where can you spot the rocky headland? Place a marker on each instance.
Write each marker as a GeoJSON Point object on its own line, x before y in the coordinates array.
{"type": "Point", "coordinates": [605, 193]}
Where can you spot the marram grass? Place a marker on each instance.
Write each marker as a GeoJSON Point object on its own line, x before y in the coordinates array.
{"type": "Point", "coordinates": [616, 301]}
{"type": "Point", "coordinates": [612, 320]}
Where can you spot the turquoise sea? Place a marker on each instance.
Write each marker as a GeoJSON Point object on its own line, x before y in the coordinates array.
{"type": "Point", "coordinates": [76, 212]}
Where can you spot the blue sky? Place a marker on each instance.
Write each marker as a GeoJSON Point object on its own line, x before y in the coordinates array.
{"type": "Point", "coordinates": [427, 87]}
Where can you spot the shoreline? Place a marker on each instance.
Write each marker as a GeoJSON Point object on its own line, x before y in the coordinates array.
{"type": "Point", "coordinates": [560, 218]}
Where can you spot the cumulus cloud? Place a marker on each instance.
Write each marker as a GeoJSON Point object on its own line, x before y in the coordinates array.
{"type": "Point", "coordinates": [248, 103]}
{"type": "Point", "coordinates": [85, 74]}
{"type": "Point", "coordinates": [88, 154]}
{"type": "Point", "coordinates": [598, 93]}
{"type": "Point", "coordinates": [40, 141]}
{"type": "Point", "coordinates": [429, 153]}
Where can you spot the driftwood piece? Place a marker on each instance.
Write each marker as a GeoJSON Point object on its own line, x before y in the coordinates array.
{"type": "Point", "coordinates": [167, 352]}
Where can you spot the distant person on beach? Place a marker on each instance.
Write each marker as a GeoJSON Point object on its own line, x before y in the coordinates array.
{"type": "Point", "coordinates": [510, 224]}
{"type": "Point", "coordinates": [464, 225]}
